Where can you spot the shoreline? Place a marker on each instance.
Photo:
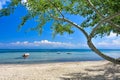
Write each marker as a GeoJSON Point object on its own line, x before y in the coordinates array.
{"type": "Point", "coordinates": [87, 70]}
{"type": "Point", "coordinates": [54, 62]}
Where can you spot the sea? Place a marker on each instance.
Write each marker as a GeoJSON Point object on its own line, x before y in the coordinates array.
{"type": "Point", "coordinates": [14, 56]}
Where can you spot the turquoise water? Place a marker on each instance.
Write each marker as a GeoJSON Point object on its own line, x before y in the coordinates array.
{"type": "Point", "coordinates": [14, 56]}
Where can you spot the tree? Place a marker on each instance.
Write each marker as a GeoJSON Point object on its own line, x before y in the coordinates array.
{"type": "Point", "coordinates": [101, 16]}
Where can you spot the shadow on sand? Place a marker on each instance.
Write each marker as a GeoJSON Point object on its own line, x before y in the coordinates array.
{"type": "Point", "coordinates": [109, 72]}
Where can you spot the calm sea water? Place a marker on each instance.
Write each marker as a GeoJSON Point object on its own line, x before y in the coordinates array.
{"type": "Point", "coordinates": [14, 56]}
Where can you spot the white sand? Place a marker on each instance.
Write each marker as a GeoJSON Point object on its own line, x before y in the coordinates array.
{"type": "Point", "coordinates": [92, 70]}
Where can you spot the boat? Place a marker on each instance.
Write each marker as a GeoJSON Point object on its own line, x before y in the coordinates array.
{"type": "Point", "coordinates": [26, 55]}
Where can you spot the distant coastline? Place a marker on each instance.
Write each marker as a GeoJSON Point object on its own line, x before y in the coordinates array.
{"type": "Point", "coordinates": [51, 50]}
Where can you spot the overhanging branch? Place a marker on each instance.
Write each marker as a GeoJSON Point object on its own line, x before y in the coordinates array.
{"type": "Point", "coordinates": [70, 22]}
{"type": "Point", "coordinates": [74, 24]}
{"type": "Point", "coordinates": [93, 7]}
{"type": "Point", "coordinates": [56, 8]}
{"type": "Point", "coordinates": [102, 21]}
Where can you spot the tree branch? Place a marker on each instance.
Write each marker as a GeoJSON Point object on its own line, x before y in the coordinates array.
{"type": "Point", "coordinates": [102, 21]}
{"type": "Point", "coordinates": [93, 7]}
{"type": "Point", "coordinates": [74, 24]}
{"type": "Point", "coordinates": [57, 8]}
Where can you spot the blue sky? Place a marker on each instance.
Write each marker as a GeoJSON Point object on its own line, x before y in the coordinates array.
{"type": "Point", "coordinates": [10, 38]}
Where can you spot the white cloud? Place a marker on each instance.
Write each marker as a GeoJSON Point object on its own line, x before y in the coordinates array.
{"type": "Point", "coordinates": [23, 1]}
{"type": "Point", "coordinates": [109, 43]}
{"type": "Point", "coordinates": [116, 41]}
{"type": "Point", "coordinates": [3, 2]}
{"type": "Point", "coordinates": [19, 43]}
{"type": "Point", "coordinates": [112, 35]}
{"type": "Point", "coordinates": [103, 43]}
{"type": "Point", "coordinates": [42, 44]}
{"type": "Point", "coordinates": [112, 41]}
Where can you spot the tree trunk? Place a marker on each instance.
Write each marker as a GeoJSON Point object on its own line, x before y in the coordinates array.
{"type": "Point", "coordinates": [90, 44]}
{"type": "Point", "coordinates": [113, 60]}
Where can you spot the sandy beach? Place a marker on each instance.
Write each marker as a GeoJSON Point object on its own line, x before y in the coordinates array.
{"type": "Point", "coordinates": [89, 70]}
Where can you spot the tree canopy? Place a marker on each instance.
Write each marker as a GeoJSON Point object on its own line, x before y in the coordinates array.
{"type": "Point", "coordinates": [101, 16]}
{"type": "Point", "coordinates": [54, 10]}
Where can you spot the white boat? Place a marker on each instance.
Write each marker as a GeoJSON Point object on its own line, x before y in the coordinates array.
{"type": "Point", "coordinates": [26, 55]}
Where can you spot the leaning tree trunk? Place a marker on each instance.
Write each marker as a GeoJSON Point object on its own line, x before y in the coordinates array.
{"type": "Point", "coordinates": [91, 45]}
